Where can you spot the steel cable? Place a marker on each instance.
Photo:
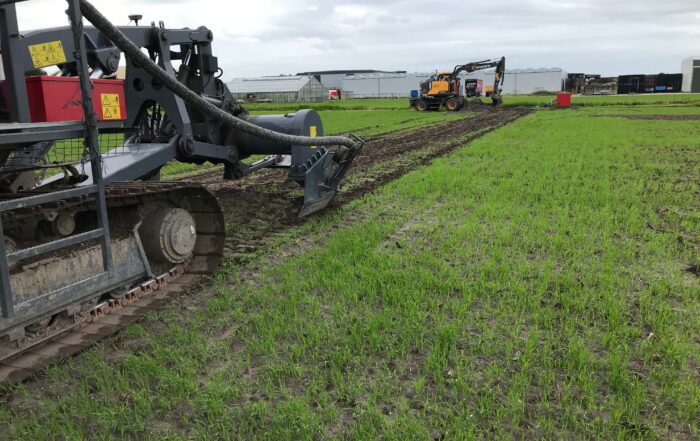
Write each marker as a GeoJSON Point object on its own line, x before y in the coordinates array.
{"type": "Point", "coordinates": [134, 53]}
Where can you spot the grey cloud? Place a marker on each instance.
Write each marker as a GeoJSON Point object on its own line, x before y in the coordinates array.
{"type": "Point", "coordinates": [420, 35]}
{"type": "Point", "coordinates": [598, 36]}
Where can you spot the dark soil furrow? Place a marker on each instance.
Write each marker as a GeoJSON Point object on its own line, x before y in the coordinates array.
{"type": "Point", "coordinates": [267, 203]}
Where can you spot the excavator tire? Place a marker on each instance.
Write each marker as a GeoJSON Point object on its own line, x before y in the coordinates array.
{"type": "Point", "coordinates": [453, 105]}
{"type": "Point", "coordinates": [422, 105]}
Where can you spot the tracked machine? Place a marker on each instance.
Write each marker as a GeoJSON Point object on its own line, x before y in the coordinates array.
{"type": "Point", "coordinates": [443, 90]}
{"type": "Point", "coordinates": [84, 218]}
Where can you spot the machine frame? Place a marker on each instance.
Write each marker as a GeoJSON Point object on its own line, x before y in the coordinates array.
{"type": "Point", "coordinates": [13, 314]}
{"type": "Point", "coordinates": [161, 126]}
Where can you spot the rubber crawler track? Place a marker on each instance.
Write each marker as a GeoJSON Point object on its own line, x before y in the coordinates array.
{"type": "Point", "coordinates": [107, 318]}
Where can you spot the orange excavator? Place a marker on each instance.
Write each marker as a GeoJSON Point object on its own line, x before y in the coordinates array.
{"type": "Point", "coordinates": [442, 90]}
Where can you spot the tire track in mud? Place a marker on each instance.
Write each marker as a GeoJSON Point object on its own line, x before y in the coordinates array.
{"type": "Point", "coordinates": [256, 209]}
{"type": "Point", "coordinates": [266, 203]}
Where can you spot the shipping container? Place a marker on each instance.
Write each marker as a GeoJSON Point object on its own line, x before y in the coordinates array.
{"type": "Point", "coordinates": [649, 83]}
{"type": "Point", "coordinates": [627, 84]}
{"type": "Point", "coordinates": [601, 86]}
{"type": "Point", "coordinates": [575, 83]}
{"type": "Point", "coordinates": [669, 82]}
{"type": "Point", "coordinates": [473, 87]}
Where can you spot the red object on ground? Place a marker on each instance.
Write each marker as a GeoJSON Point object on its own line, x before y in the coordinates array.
{"type": "Point", "coordinates": [564, 99]}
{"type": "Point", "coordinates": [54, 99]}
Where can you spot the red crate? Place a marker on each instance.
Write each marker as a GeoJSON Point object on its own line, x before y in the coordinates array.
{"type": "Point", "coordinates": [564, 99]}
{"type": "Point", "coordinates": [54, 99]}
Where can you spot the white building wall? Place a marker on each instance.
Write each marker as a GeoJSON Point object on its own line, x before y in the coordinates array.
{"type": "Point", "coordinates": [525, 81]}
{"type": "Point", "coordinates": [362, 87]}
{"type": "Point", "coordinates": [382, 86]}
{"type": "Point", "coordinates": [313, 91]}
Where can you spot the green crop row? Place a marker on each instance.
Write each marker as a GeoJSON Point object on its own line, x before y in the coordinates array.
{"type": "Point", "coordinates": [508, 100]}
{"type": "Point", "coordinates": [540, 283]}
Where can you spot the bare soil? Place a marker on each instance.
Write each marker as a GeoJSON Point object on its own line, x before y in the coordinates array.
{"type": "Point", "coordinates": [266, 203]}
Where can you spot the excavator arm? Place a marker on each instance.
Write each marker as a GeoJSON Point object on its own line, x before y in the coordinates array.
{"type": "Point", "coordinates": [500, 66]}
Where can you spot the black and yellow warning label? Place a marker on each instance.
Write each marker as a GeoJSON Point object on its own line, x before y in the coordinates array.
{"type": "Point", "coordinates": [47, 54]}
{"type": "Point", "coordinates": [111, 108]}
{"type": "Point", "coordinates": [312, 133]}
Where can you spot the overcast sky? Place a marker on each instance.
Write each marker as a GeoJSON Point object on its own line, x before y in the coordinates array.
{"type": "Point", "coordinates": [268, 37]}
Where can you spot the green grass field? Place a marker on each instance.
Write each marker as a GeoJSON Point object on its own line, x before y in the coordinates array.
{"type": "Point", "coordinates": [378, 121]}
{"type": "Point", "coordinates": [684, 99]}
{"type": "Point", "coordinates": [371, 117]}
{"type": "Point", "coordinates": [614, 100]}
{"type": "Point", "coordinates": [539, 283]}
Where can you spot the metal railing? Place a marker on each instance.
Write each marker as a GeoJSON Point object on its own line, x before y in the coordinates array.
{"type": "Point", "coordinates": [48, 302]}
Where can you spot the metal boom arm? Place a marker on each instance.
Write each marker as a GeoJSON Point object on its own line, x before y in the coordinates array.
{"type": "Point", "coordinates": [500, 66]}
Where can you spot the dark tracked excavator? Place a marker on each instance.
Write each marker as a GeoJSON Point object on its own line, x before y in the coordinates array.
{"type": "Point", "coordinates": [83, 214]}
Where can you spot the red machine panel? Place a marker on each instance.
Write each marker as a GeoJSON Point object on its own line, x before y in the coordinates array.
{"type": "Point", "coordinates": [53, 99]}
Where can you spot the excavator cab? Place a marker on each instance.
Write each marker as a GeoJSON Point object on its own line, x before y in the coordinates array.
{"type": "Point", "coordinates": [440, 83]}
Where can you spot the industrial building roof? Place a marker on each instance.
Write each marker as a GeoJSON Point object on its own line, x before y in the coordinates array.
{"type": "Point", "coordinates": [536, 70]}
{"type": "Point", "coordinates": [528, 70]}
{"type": "Point", "coordinates": [348, 72]}
{"type": "Point", "coordinates": [268, 84]}
{"type": "Point", "coordinates": [380, 75]}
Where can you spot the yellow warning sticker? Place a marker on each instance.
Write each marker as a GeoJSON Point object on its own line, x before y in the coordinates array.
{"type": "Point", "coordinates": [47, 54]}
{"type": "Point", "coordinates": [111, 109]}
{"type": "Point", "coordinates": [312, 134]}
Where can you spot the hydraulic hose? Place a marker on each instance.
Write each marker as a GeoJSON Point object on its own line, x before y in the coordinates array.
{"type": "Point", "coordinates": [134, 53]}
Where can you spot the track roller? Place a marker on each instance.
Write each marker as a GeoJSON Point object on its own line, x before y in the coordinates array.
{"type": "Point", "coordinates": [168, 234]}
